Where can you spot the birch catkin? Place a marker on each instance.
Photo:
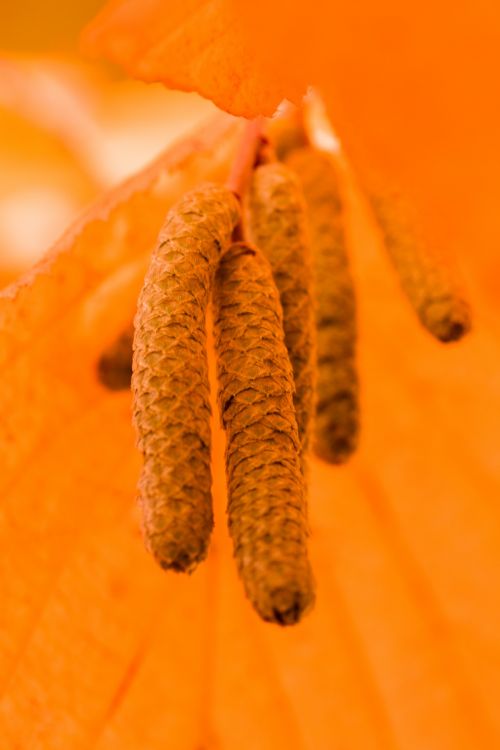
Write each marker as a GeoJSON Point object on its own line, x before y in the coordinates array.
{"type": "Point", "coordinates": [170, 377]}
{"type": "Point", "coordinates": [114, 368]}
{"type": "Point", "coordinates": [277, 223]}
{"type": "Point", "coordinates": [266, 491]}
{"type": "Point", "coordinates": [337, 412]}
{"type": "Point", "coordinates": [287, 132]}
{"type": "Point", "coordinates": [427, 282]}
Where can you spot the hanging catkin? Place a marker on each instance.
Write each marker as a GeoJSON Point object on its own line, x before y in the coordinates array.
{"type": "Point", "coordinates": [114, 368]}
{"type": "Point", "coordinates": [266, 491]}
{"type": "Point", "coordinates": [287, 132]}
{"type": "Point", "coordinates": [277, 223]}
{"type": "Point", "coordinates": [170, 377]}
{"type": "Point", "coordinates": [427, 282]}
{"type": "Point", "coordinates": [337, 414]}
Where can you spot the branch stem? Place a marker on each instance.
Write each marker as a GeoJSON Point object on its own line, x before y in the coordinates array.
{"type": "Point", "coordinates": [245, 158]}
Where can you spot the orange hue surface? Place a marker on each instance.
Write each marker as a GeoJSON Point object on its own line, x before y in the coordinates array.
{"type": "Point", "coordinates": [410, 87]}
{"type": "Point", "coordinates": [45, 178]}
{"type": "Point", "coordinates": [50, 26]}
{"type": "Point", "coordinates": [100, 649]}
{"type": "Point", "coordinates": [67, 131]}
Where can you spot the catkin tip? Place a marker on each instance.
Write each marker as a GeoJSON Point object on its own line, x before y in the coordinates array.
{"type": "Point", "coordinates": [287, 605]}
{"type": "Point", "coordinates": [448, 319]}
{"type": "Point", "coordinates": [180, 557]}
{"type": "Point", "coordinates": [114, 368]}
{"type": "Point", "coordinates": [336, 450]}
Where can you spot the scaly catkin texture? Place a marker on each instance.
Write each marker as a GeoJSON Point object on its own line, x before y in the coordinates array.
{"type": "Point", "coordinates": [170, 377]}
{"type": "Point", "coordinates": [277, 224]}
{"type": "Point", "coordinates": [427, 282]}
{"type": "Point", "coordinates": [114, 368]}
{"type": "Point", "coordinates": [336, 426]}
{"type": "Point", "coordinates": [266, 490]}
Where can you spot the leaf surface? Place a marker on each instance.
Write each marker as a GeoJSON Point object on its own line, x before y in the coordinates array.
{"type": "Point", "coordinates": [408, 87]}
{"type": "Point", "coordinates": [75, 618]}
{"type": "Point", "coordinates": [99, 649]}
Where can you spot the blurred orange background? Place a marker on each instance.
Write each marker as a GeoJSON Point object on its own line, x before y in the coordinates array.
{"type": "Point", "coordinates": [69, 128]}
{"type": "Point", "coordinates": [98, 648]}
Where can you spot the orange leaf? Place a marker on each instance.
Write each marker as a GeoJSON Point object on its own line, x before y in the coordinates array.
{"type": "Point", "coordinates": [202, 45]}
{"type": "Point", "coordinates": [409, 87]}
{"type": "Point", "coordinates": [99, 649]}
{"type": "Point", "coordinates": [69, 469]}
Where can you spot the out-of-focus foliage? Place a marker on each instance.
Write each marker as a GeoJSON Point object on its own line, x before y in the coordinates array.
{"type": "Point", "coordinates": [98, 648]}
{"type": "Point", "coordinates": [409, 87]}
{"type": "Point", "coordinates": [48, 26]}
{"type": "Point", "coordinates": [68, 130]}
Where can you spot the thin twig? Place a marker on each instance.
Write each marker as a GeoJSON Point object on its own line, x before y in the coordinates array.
{"type": "Point", "coordinates": [246, 157]}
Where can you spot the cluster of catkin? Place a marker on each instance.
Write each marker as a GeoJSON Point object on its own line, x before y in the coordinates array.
{"type": "Point", "coordinates": [196, 260]}
{"type": "Point", "coordinates": [284, 314]}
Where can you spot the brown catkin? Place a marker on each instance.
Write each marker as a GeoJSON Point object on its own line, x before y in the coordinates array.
{"type": "Point", "coordinates": [266, 490]}
{"type": "Point", "coordinates": [114, 368]}
{"type": "Point", "coordinates": [287, 132]}
{"type": "Point", "coordinates": [277, 224]}
{"type": "Point", "coordinates": [170, 377]}
{"type": "Point", "coordinates": [336, 426]}
{"type": "Point", "coordinates": [428, 283]}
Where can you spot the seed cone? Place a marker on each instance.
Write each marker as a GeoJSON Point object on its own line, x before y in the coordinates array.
{"type": "Point", "coordinates": [266, 490]}
{"type": "Point", "coordinates": [170, 377]}
{"type": "Point", "coordinates": [336, 426]}
{"type": "Point", "coordinates": [277, 224]}
{"type": "Point", "coordinates": [114, 368]}
{"type": "Point", "coordinates": [427, 282]}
